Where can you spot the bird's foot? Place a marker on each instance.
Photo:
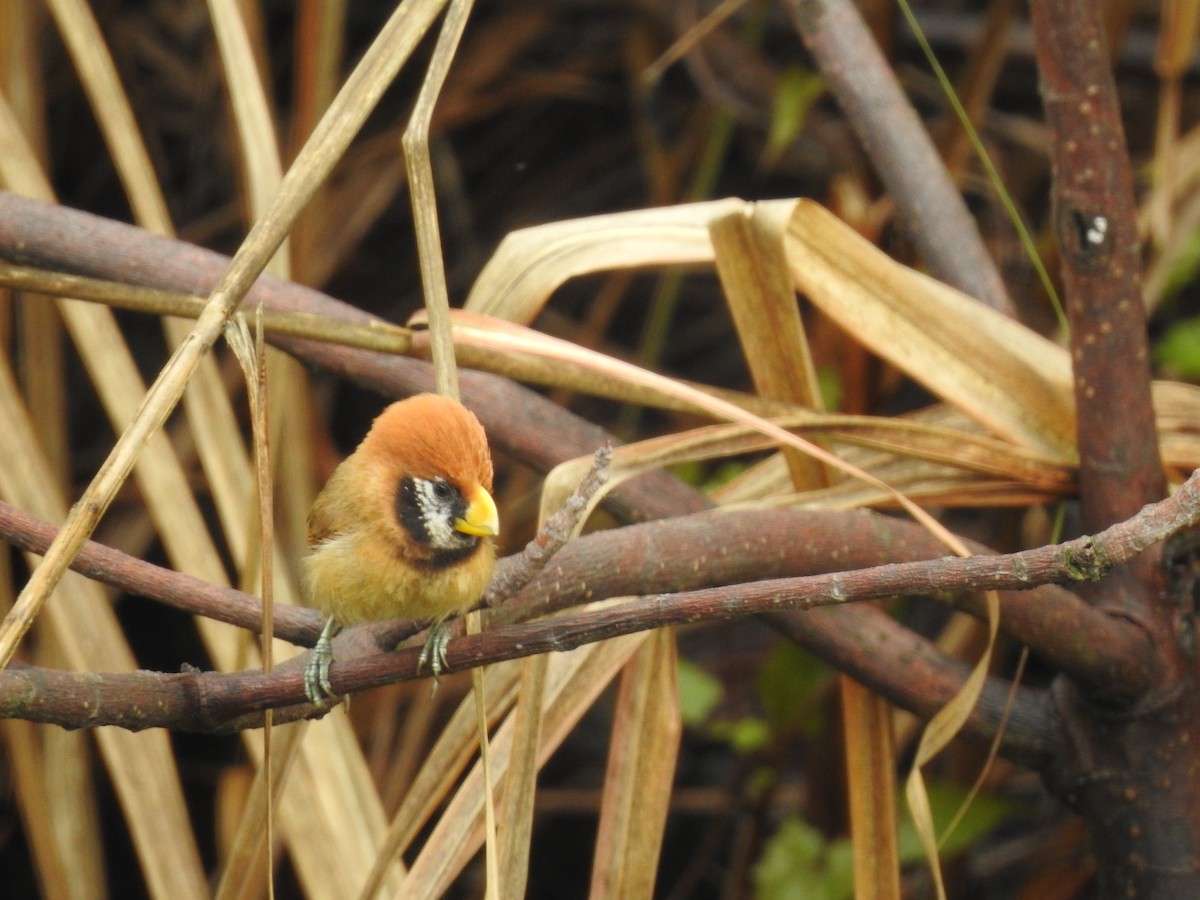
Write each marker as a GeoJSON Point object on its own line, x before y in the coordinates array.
{"type": "Point", "coordinates": [316, 671]}
{"type": "Point", "coordinates": [434, 651]}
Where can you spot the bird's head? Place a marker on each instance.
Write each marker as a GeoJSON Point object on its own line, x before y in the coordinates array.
{"type": "Point", "coordinates": [438, 470]}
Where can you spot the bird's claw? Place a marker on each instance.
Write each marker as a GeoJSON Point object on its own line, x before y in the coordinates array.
{"type": "Point", "coordinates": [434, 651]}
{"type": "Point", "coordinates": [317, 687]}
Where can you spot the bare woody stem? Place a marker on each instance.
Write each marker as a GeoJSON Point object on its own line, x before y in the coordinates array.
{"type": "Point", "coordinates": [735, 547]}
{"type": "Point", "coordinates": [1095, 223]}
{"type": "Point", "coordinates": [218, 702]}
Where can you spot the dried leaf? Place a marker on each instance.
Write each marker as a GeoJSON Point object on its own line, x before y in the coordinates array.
{"type": "Point", "coordinates": [641, 771]}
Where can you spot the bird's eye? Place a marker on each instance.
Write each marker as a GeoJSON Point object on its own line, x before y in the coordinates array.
{"type": "Point", "coordinates": [442, 490]}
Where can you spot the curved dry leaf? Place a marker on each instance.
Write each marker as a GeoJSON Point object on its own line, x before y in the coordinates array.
{"type": "Point", "coordinates": [1011, 380]}
{"type": "Point", "coordinates": [530, 264]}
{"type": "Point", "coordinates": [946, 723]}
{"type": "Point", "coordinates": [930, 456]}
{"type": "Point", "coordinates": [759, 293]}
{"type": "Point", "coordinates": [1005, 376]}
{"type": "Point", "coordinates": [441, 769]}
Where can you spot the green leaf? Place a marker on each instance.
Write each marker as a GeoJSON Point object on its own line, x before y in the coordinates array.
{"type": "Point", "coordinates": [1178, 351]}
{"type": "Point", "coordinates": [829, 379]}
{"type": "Point", "coordinates": [795, 94]}
{"type": "Point", "coordinates": [699, 693]}
{"type": "Point", "coordinates": [745, 735]}
{"type": "Point", "coordinates": [799, 862]}
{"type": "Point", "coordinates": [985, 813]}
{"type": "Point", "coordinates": [786, 687]}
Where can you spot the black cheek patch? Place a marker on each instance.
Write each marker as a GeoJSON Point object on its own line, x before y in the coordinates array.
{"type": "Point", "coordinates": [411, 518]}
{"type": "Point", "coordinates": [408, 512]}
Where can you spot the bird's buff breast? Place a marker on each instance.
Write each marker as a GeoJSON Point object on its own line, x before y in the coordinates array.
{"type": "Point", "coordinates": [355, 582]}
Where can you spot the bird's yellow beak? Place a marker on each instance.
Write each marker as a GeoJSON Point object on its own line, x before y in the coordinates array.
{"type": "Point", "coordinates": [481, 519]}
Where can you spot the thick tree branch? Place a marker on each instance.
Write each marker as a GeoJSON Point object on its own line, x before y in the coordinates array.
{"type": "Point", "coordinates": [216, 702]}
{"type": "Point", "coordinates": [863, 639]}
{"type": "Point", "coordinates": [730, 547]}
{"type": "Point", "coordinates": [1095, 220]}
{"type": "Point", "coordinates": [1106, 652]}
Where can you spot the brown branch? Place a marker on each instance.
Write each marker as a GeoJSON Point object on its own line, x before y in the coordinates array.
{"type": "Point", "coordinates": [865, 641]}
{"type": "Point", "coordinates": [932, 211]}
{"type": "Point", "coordinates": [176, 589]}
{"type": "Point", "coordinates": [1095, 220]}
{"type": "Point", "coordinates": [221, 703]}
{"type": "Point", "coordinates": [214, 702]}
{"type": "Point", "coordinates": [730, 547]}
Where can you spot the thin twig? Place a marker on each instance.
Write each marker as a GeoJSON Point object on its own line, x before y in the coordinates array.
{"type": "Point", "coordinates": [375, 335]}
{"type": "Point", "coordinates": [551, 537]}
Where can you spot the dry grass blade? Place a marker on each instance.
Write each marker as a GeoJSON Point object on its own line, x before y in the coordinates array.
{"type": "Point", "coordinates": [574, 681]}
{"type": "Point", "coordinates": [938, 733]}
{"type": "Point", "coordinates": [519, 788]}
{"type": "Point", "coordinates": [1177, 35]}
{"type": "Point", "coordinates": [474, 350]}
{"type": "Point", "coordinates": [320, 38]}
{"type": "Point", "coordinates": [443, 765]}
{"type": "Point", "coordinates": [141, 766]}
{"type": "Point", "coordinates": [255, 129]}
{"type": "Point", "coordinates": [1177, 410]}
{"type": "Point", "coordinates": [55, 864]}
{"type": "Point", "coordinates": [907, 453]}
{"type": "Point", "coordinates": [154, 806]}
{"type": "Point", "coordinates": [250, 353]}
{"type": "Point", "coordinates": [870, 774]}
{"type": "Point", "coordinates": [243, 871]}
{"type": "Point", "coordinates": [98, 75]}
{"type": "Point", "coordinates": [437, 307]}
{"type": "Point", "coordinates": [641, 772]}
{"type": "Point", "coordinates": [511, 338]}
{"type": "Point", "coordinates": [758, 290]}
{"type": "Point", "coordinates": [424, 201]}
{"type": "Point", "coordinates": [60, 815]}
{"type": "Point", "coordinates": [1004, 376]}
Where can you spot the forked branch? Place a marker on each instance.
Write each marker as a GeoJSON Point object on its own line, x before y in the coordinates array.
{"type": "Point", "coordinates": [220, 702]}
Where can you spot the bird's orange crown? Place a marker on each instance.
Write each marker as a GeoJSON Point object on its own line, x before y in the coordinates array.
{"type": "Point", "coordinates": [430, 436]}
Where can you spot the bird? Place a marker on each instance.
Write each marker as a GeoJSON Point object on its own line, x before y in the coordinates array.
{"type": "Point", "coordinates": [404, 528]}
